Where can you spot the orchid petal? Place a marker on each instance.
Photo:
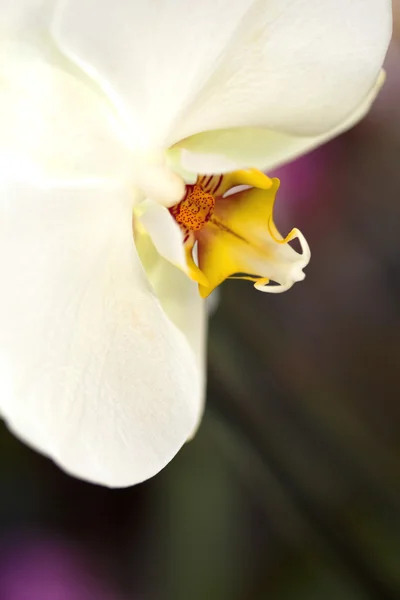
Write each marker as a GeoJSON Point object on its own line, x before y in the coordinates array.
{"type": "Point", "coordinates": [25, 14]}
{"type": "Point", "coordinates": [300, 68]}
{"type": "Point", "coordinates": [152, 58]}
{"type": "Point", "coordinates": [240, 148]}
{"type": "Point", "coordinates": [56, 123]}
{"type": "Point", "coordinates": [92, 370]}
{"type": "Point", "coordinates": [165, 233]}
{"type": "Point", "coordinates": [179, 297]}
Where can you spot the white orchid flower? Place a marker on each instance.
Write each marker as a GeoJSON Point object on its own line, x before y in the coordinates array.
{"type": "Point", "coordinates": [125, 127]}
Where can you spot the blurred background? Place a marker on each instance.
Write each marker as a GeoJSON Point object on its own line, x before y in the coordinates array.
{"type": "Point", "coordinates": [290, 490]}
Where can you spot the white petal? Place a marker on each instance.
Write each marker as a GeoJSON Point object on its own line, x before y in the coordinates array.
{"type": "Point", "coordinates": [92, 371]}
{"type": "Point", "coordinates": [297, 67]}
{"type": "Point", "coordinates": [24, 13]}
{"type": "Point", "coordinates": [55, 122]}
{"type": "Point", "coordinates": [231, 149]}
{"type": "Point", "coordinates": [151, 57]}
{"type": "Point", "coordinates": [182, 302]}
{"type": "Point", "coordinates": [164, 231]}
{"type": "Point", "coordinates": [180, 299]}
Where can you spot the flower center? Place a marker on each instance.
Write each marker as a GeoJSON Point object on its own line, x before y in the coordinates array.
{"type": "Point", "coordinates": [195, 209]}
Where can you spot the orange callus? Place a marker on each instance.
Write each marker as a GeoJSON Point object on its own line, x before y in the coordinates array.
{"type": "Point", "coordinates": [195, 209]}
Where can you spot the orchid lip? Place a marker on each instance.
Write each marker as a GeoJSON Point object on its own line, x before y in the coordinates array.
{"type": "Point", "coordinates": [229, 233]}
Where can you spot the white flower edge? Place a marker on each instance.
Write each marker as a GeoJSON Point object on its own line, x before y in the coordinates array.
{"type": "Point", "coordinates": [93, 372]}
{"type": "Point", "coordinates": [227, 150]}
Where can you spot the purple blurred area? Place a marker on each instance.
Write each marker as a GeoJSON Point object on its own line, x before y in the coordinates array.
{"type": "Point", "coordinates": [34, 568]}
{"type": "Point", "coordinates": [290, 490]}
